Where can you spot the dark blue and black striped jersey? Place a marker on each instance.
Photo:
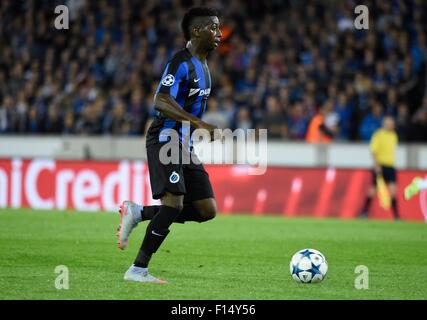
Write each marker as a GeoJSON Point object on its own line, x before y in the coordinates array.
{"type": "Point", "coordinates": [188, 81]}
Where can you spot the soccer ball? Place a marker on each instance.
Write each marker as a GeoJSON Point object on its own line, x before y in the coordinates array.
{"type": "Point", "coordinates": [308, 266]}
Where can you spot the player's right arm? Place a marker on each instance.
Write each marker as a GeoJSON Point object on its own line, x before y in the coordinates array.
{"type": "Point", "coordinates": [164, 101]}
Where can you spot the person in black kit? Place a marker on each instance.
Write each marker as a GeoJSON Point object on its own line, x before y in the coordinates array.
{"type": "Point", "coordinates": [183, 187]}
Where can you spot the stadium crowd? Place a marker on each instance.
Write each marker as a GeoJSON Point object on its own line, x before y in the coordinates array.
{"type": "Point", "coordinates": [281, 63]}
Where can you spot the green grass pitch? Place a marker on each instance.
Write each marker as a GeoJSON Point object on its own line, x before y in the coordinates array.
{"type": "Point", "coordinates": [231, 257]}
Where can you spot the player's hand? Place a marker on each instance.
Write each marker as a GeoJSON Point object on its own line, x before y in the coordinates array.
{"type": "Point", "coordinates": [210, 128]}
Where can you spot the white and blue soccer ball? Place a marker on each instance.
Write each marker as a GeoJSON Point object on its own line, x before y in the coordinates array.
{"type": "Point", "coordinates": [308, 266]}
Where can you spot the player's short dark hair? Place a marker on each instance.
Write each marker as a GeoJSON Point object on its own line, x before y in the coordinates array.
{"type": "Point", "coordinates": [193, 13]}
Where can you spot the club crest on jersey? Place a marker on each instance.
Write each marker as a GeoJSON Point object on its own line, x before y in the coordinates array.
{"type": "Point", "coordinates": [174, 177]}
{"type": "Point", "coordinates": [168, 80]}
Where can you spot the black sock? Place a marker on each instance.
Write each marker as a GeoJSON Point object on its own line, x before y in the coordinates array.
{"type": "Point", "coordinates": [190, 213]}
{"type": "Point", "coordinates": [366, 205]}
{"type": "Point", "coordinates": [142, 259]}
{"type": "Point", "coordinates": [149, 212]}
{"type": "Point", "coordinates": [394, 207]}
{"type": "Point", "coordinates": [157, 231]}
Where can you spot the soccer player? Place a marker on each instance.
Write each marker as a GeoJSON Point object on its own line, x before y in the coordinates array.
{"type": "Point", "coordinates": [184, 190]}
{"type": "Point", "coordinates": [383, 148]}
{"type": "Point", "coordinates": [415, 187]}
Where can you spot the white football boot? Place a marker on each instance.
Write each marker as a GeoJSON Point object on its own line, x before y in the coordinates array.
{"type": "Point", "coordinates": [141, 275]}
{"type": "Point", "coordinates": [130, 216]}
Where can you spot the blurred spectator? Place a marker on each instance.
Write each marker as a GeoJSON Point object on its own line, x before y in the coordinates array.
{"type": "Point", "coordinates": [324, 126]}
{"type": "Point", "coordinates": [297, 122]}
{"type": "Point", "coordinates": [371, 122]}
{"type": "Point", "coordinates": [402, 122]}
{"type": "Point", "coordinates": [419, 126]}
{"type": "Point", "coordinates": [244, 119]}
{"type": "Point", "coordinates": [68, 123]}
{"type": "Point", "coordinates": [344, 112]}
{"type": "Point", "coordinates": [229, 108]}
{"type": "Point", "coordinates": [89, 123]}
{"type": "Point", "coordinates": [215, 116]}
{"type": "Point", "coordinates": [391, 102]}
{"type": "Point", "coordinates": [53, 123]}
{"type": "Point", "coordinates": [8, 115]}
{"type": "Point", "coordinates": [138, 112]}
{"type": "Point", "coordinates": [274, 120]}
{"type": "Point", "coordinates": [34, 122]}
{"type": "Point", "coordinates": [117, 122]}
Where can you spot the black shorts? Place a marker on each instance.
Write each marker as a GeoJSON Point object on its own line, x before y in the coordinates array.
{"type": "Point", "coordinates": [389, 175]}
{"type": "Point", "coordinates": [190, 180]}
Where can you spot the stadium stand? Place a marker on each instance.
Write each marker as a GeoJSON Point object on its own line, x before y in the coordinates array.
{"type": "Point", "coordinates": [281, 62]}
